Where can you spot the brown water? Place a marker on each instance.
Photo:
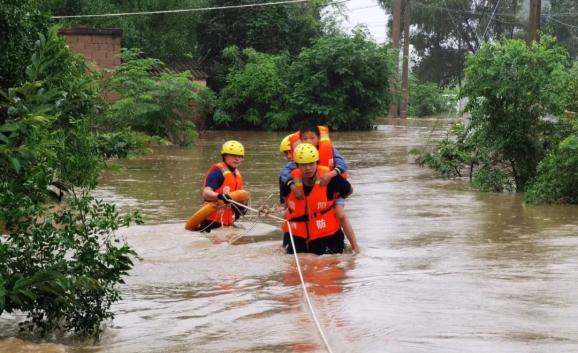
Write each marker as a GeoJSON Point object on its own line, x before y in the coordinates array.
{"type": "Point", "coordinates": [443, 268]}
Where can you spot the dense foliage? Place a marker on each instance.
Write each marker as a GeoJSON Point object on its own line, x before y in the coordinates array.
{"type": "Point", "coordinates": [61, 261]}
{"type": "Point", "coordinates": [167, 106]}
{"type": "Point", "coordinates": [267, 29]}
{"type": "Point", "coordinates": [254, 96]}
{"type": "Point", "coordinates": [515, 94]}
{"type": "Point", "coordinates": [445, 31]}
{"type": "Point", "coordinates": [512, 87]}
{"type": "Point", "coordinates": [20, 23]}
{"type": "Point", "coordinates": [340, 81]}
{"type": "Point", "coordinates": [556, 181]}
{"type": "Point", "coordinates": [163, 36]}
{"type": "Point", "coordinates": [428, 99]}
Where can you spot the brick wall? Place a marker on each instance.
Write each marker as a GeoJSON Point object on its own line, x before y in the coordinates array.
{"type": "Point", "coordinates": [99, 46]}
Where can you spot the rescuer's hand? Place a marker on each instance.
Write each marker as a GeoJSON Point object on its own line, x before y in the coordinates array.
{"type": "Point", "coordinates": [225, 198]}
{"type": "Point", "coordinates": [326, 178]}
{"type": "Point", "coordinates": [298, 192]}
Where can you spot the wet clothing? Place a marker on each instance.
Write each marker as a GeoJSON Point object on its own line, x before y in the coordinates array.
{"type": "Point", "coordinates": [337, 187]}
{"type": "Point", "coordinates": [340, 166]}
{"type": "Point", "coordinates": [222, 179]}
{"type": "Point", "coordinates": [327, 245]}
{"type": "Point", "coordinates": [313, 221]}
{"type": "Point", "coordinates": [215, 179]}
{"type": "Point", "coordinates": [324, 146]}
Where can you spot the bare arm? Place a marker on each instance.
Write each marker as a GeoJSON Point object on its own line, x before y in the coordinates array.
{"type": "Point", "coordinates": [209, 194]}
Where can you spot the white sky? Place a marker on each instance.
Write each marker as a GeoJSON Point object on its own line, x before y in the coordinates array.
{"type": "Point", "coordinates": [369, 13]}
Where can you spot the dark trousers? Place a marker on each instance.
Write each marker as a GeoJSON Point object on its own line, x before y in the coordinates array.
{"type": "Point", "coordinates": [332, 244]}
{"type": "Point", "coordinates": [206, 226]}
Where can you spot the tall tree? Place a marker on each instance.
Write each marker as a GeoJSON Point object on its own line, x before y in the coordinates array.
{"type": "Point", "coordinates": [267, 29]}
{"type": "Point", "coordinates": [560, 19]}
{"type": "Point", "coordinates": [395, 37]}
{"type": "Point", "coordinates": [20, 23]}
{"type": "Point", "coordinates": [165, 36]}
{"type": "Point", "coordinates": [443, 31]}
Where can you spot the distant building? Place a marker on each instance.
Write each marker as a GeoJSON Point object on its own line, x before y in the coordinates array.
{"type": "Point", "coordinates": [102, 49]}
{"type": "Point", "coordinates": [199, 76]}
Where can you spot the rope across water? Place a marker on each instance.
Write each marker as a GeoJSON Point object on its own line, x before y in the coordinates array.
{"type": "Point", "coordinates": [307, 299]}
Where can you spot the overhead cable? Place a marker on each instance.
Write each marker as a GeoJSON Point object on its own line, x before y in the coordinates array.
{"type": "Point", "coordinates": [198, 9]}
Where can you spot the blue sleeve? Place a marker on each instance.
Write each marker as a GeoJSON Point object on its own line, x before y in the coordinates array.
{"type": "Point", "coordinates": [285, 175]}
{"type": "Point", "coordinates": [340, 163]}
{"type": "Point", "coordinates": [215, 179]}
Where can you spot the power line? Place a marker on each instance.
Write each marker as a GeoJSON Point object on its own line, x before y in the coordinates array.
{"type": "Point", "coordinates": [193, 10]}
{"type": "Point", "coordinates": [490, 21]}
{"type": "Point", "coordinates": [562, 23]}
{"type": "Point", "coordinates": [363, 7]}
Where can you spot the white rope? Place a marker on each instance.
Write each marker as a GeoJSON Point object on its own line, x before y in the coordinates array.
{"type": "Point", "coordinates": [311, 310]}
{"type": "Point", "coordinates": [192, 10]}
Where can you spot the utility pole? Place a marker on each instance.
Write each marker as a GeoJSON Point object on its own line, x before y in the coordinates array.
{"type": "Point", "coordinates": [395, 36]}
{"type": "Point", "coordinates": [405, 69]}
{"type": "Point", "coordinates": [534, 21]}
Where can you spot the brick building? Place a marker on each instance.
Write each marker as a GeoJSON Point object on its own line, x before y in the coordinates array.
{"type": "Point", "coordinates": [101, 47]}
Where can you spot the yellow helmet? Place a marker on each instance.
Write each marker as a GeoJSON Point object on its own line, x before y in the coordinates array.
{"type": "Point", "coordinates": [285, 145]}
{"type": "Point", "coordinates": [305, 153]}
{"type": "Point", "coordinates": [233, 147]}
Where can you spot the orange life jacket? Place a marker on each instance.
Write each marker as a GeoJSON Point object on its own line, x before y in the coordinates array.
{"type": "Point", "coordinates": [233, 181]}
{"type": "Point", "coordinates": [325, 148]}
{"type": "Point", "coordinates": [315, 216]}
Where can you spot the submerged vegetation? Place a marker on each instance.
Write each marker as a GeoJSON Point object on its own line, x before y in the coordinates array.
{"type": "Point", "coordinates": [519, 137]}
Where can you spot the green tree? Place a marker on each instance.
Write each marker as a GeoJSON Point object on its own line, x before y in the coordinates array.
{"type": "Point", "coordinates": [167, 106]}
{"type": "Point", "coordinates": [556, 180]}
{"type": "Point", "coordinates": [61, 263]}
{"type": "Point", "coordinates": [267, 29]}
{"type": "Point", "coordinates": [425, 98]}
{"type": "Point", "coordinates": [559, 18]}
{"type": "Point", "coordinates": [512, 87]}
{"type": "Point", "coordinates": [341, 81]}
{"type": "Point", "coordinates": [20, 23]}
{"type": "Point", "coordinates": [515, 92]}
{"type": "Point", "coordinates": [445, 31]}
{"type": "Point", "coordinates": [163, 36]}
{"type": "Point", "coordinates": [255, 93]}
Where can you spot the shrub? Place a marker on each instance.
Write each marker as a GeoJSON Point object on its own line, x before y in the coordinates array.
{"type": "Point", "coordinates": [425, 99]}
{"type": "Point", "coordinates": [20, 23]}
{"type": "Point", "coordinates": [61, 262]}
{"type": "Point", "coordinates": [556, 181]}
{"type": "Point", "coordinates": [341, 81]}
{"type": "Point", "coordinates": [254, 96]}
{"type": "Point", "coordinates": [167, 106]}
{"type": "Point", "coordinates": [512, 86]}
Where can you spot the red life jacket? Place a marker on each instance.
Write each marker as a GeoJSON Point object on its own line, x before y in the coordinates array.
{"type": "Point", "coordinates": [315, 216]}
{"type": "Point", "coordinates": [233, 181]}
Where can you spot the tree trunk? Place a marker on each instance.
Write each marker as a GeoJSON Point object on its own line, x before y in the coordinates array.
{"type": "Point", "coordinates": [534, 21]}
{"type": "Point", "coordinates": [405, 69]}
{"type": "Point", "coordinates": [395, 36]}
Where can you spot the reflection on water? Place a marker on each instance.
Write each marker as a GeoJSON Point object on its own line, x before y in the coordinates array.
{"type": "Point", "coordinates": [442, 269]}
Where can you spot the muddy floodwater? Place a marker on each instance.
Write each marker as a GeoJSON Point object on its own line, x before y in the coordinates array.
{"type": "Point", "coordinates": [443, 268]}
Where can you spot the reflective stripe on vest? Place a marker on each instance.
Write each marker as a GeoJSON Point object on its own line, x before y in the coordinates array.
{"type": "Point", "coordinates": [233, 181]}
{"type": "Point", "coordinates": [315, 216]}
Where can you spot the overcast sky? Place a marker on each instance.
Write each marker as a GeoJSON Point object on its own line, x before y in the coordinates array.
{"type": "Point", "coordinates": [369, 13]}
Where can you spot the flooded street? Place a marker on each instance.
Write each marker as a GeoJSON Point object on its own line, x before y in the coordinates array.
{"type": "Point", "coordinates": [443, 268]}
